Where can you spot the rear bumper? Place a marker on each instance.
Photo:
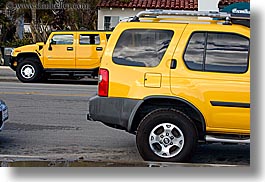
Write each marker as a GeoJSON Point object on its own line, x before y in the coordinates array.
{"type": "Point", "coordinates": [114, 112]}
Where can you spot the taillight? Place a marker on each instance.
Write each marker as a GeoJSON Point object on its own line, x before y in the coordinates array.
{"type": "Point", "coordinates": [103, 83]}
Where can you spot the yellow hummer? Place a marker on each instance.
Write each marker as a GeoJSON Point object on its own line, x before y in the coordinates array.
{"type": "Point", "coordinates": [68, 53]}
{"type": "Point", "coordinates": [175, 79]}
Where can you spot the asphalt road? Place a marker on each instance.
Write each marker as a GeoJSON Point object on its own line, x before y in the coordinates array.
{"type": "Point", "coordinates": [49, 121]}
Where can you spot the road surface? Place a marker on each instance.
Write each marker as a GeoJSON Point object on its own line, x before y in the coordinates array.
{"type": "Point", "coordinates": [49, 121]}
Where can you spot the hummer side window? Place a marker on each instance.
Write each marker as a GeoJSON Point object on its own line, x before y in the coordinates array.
{"type": "Point", "coordinates": [62, 39]}
{"type": "Point", "coordinates": [217, 52]}
{"type": "Point", "coordinates": [89, 39]}
{"type": "Point", "coordinates": [139, 47]}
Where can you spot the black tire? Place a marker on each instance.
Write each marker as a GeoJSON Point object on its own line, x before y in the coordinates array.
{"type": "Point", "coordinates": [157, 124]}
{"type": "Point", "coordinates": [29, 71]}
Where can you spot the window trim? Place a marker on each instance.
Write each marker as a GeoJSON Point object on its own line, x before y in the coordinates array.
{"type": "Point", "coordinates": [205, 50]}
{"type": "Point", "coordinates": [108, 36]}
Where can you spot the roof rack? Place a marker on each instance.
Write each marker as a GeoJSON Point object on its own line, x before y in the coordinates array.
{"type": "Point", "coordinates": [228, 17]}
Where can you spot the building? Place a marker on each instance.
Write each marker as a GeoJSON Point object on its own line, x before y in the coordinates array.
{"type": "Point", "coordinates": [110, 12]}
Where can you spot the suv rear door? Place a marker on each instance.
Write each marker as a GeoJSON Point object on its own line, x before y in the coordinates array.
{"type": "Point", "coordinates": [145, 50]}
{"type": "Point", "coordinates": [214, 75]}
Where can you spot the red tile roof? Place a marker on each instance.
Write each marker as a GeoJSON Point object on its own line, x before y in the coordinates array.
{"type": "Point", "coordinates": [228, 2]}
{"type": "Point", "coordinates": [151, 4]}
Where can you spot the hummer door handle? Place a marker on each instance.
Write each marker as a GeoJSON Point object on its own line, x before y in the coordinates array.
{"type": "Point", "coordinates": [99, 48]}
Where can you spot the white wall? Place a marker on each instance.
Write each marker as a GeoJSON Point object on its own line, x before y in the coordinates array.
{"type": "Point", "coordinates": [122, 13]}
{"type": "Point", "coordinates": [208, 5]}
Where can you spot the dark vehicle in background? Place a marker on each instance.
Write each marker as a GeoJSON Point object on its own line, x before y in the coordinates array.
{"type": "Point", "coordinates": [2, 61]}
{"type": "Point", "coordinates": [5, 55]}
{"type": "Point", "coordinates": [3, 114]}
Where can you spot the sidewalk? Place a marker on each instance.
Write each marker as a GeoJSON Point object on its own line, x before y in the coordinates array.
{"type": "Point", "coordinates": [7, 74]}
{"type": "Point", "coordinates": [5, 67]}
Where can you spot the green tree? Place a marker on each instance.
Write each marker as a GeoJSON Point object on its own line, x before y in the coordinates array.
{"type": "Point", "coordinates": [44, 20]}
{"type": "Point", "coordinates": [7, 25]}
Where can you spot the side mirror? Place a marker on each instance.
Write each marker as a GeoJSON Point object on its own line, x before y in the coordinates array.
{"type": "Point", "coordinates": [50, 44]}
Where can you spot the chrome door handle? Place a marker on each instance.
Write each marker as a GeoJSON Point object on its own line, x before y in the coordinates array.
{"type": "Point", "coordinates": [99, 48]}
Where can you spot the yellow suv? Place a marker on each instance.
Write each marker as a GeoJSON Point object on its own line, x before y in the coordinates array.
{"type": "Point", "coordinates": [75, 54]}
{"type": "Point", "coordinates": [176, 82]}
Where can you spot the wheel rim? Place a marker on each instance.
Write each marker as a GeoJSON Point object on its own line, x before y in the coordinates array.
{"type": "Point", "coordinates": [27, 71]}
{"type": "Point", "coordinates": [166, 140]}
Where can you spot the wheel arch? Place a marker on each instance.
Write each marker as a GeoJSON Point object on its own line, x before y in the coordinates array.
{"type": "Point", "coordinates": [150, 103]}
{"type": "Point", "coordinates": [22, 56]}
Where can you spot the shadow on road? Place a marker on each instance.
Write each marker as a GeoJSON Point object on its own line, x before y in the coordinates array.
{"type": "Point", "coordinates": [70, 81]}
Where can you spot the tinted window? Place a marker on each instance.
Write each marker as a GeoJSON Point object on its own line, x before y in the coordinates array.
{"type": "Point", "coordinates": [61, 39]}
{"type": "Point", "coordinates": [225, 52]}
{"type": "Point", "coordinates": [89, 39]}
{"type": "Point", "coordinates": [139, 47]}
{"type": "Point", "coordinates": [194, 52]}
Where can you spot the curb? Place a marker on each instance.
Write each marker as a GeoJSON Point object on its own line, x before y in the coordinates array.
{"type": "Point", "coordinates": [9, 79]}
{"type": "Point", "coordinates": [5, 67]}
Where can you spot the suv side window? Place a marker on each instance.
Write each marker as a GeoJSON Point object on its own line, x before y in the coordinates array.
{"type": "Point", "coordinates": [89, 39]}
{"type": "Point", "coordinates": [195, 52]}
{"type": "Point", "coordinates": [141, 47]}
{"type": "Point", "coordinates": [217, 52]}
{"type": "Point", "coordinates": [62, 39]}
